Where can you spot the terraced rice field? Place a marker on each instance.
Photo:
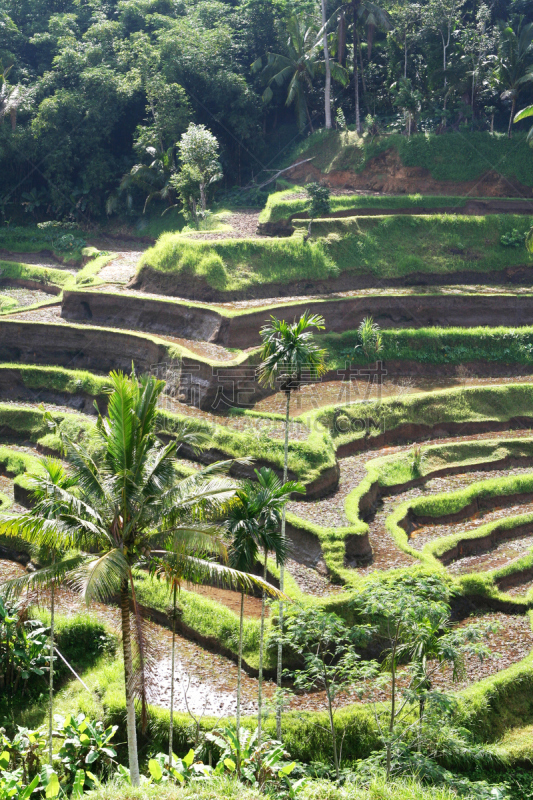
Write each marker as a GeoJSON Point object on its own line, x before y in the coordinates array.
{"type": "Point", "coordinates": [326, 525]}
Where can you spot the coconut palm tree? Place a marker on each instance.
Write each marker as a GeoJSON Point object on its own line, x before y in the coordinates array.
{"type": "Point", "coordinates": [299, 67]}
{"type": "Point", "coordinates": [123, 501]}
{"type": "Point", "coordinates": [515, 63]}
{"type": "Point", "coordinates": [253, 522]}
{"type": "Point", "coordinates": [289, 356]}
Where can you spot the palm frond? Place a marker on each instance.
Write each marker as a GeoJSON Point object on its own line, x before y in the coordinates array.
{"type": "Point", "coordinates": [99, 578]}
{"type": "Point", "coordinates": [52, 575]}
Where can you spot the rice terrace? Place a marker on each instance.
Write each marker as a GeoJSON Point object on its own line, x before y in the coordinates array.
{"type": "Point", "coordinates": [266, 400]}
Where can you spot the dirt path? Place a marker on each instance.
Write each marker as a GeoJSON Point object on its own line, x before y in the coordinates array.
{"type": "Point", "coordinates": [243, 222]}
{"type": "Point", "coordinates": [122, 268]}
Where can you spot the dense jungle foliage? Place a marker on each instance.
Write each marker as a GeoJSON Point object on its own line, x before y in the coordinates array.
{"type": "Point", "coordinates": [91, 88]}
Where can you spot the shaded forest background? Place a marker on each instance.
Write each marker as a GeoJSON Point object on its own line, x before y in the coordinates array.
{"type": "Point", "coordinates": [104, 85]}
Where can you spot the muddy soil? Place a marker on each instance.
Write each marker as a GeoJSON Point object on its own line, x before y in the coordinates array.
{"type": "Point", "coordinates": [24, 296]}
{"type": "Point", "coordinates": [232, 600]}
{"type": "Point", "coordinates": [328, 392]}
{"type": "Point", "coordinates": [206, 683]}
{"type": "Point", "coordinates": [329, 511]}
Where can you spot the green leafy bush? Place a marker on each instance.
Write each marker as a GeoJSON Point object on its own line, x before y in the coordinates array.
{"type": "Point", "coordinates": [513, 238]}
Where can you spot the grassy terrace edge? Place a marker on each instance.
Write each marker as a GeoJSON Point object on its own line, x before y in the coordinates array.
{"type": "Point", "coordinates": [283, 204]}
{"type": "Point", "coordinates": [381, 247]}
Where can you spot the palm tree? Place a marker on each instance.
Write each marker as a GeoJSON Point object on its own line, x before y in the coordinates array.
{"type": "Point", "coordinates": [156, 179]}
{"type": "Point", "coordinates": [297, 67]}
{"type": "Point", "coordinates": [515, 63]}
{"type": "Point", "coordinates": [190, 565]}
{"type": "Point", "coordinates": [274, 496]}
{"type": "Point", "coordinates": [300, 66]}
{"type": "Point", "coordinates": [123, 501]}
{"type": "Point", "coordinates": [253, 523]}
{"type": "Point", "coordinates": [372, 16]}
{"type": "Point", "coordinates": [289, 354]}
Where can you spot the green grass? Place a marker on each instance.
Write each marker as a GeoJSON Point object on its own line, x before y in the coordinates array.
{"type": "Point", "coordinates": [450, 157]}
{"type": "Point", "coordinates": [224, 788]}
{"type": "Point", "coordinates": [307, 459]}
{"type": "Point", "coordinates": [395, 246]}
{"type": "Point", "coordinates": [81, 638]}
{"type": "Point", "coordinates": [88, 275]}
{"type": "Point", "coordinates": [235, 264]}
{"type": "Point", "coordinates": [437, 345]}
{"type": "Point", "coordinates": [381, 246]}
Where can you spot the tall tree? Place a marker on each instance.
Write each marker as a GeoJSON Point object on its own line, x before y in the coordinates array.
{"type": "Point", "coordinates": [327, 89]}
{"type": "Point", "coordinates": [515, 63]}
{"type": "Point", "coordinates": [123, 500]}
{"type": "Point", "coordinates": [442, 16]}
{"type": "Point", "coordinates": [254, 525]}
{"type": "Point", "coordinates": [364, 11]}
{"type": "Point", "coordinates": [289, 356]}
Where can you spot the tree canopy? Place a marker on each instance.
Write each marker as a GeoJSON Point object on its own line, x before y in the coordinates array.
{"type": "Point", "coordinates": [91, 88]}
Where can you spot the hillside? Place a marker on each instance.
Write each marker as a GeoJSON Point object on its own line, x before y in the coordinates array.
{"type": "Point", "coordinates": [477, 164]}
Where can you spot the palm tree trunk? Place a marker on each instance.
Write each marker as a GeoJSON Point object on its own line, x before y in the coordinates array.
{"type": "Point", "coordinates": [51, 683]}
{"type": "Point", "coordinates": [392, 715]}
{"type": "Point", "coordinates": [327, 91]}
{"type": "Point", "coordinates": [261, 649]}
{"type": "Point", "coordinates": [128, 677]}
{"type": "Point", "coordinates": [361, 64]}
{"type": "Point", "coordinates": [172, 669]}
{"type": "Point", "coordinates": [332, 729]}
{"type": "Point", "coordinates": [239, 687]}
{"type": "Point", "coordinates": [355, 69]}
{"type": "Point", "coordinates": [282, 568]}
{"type": "Point", "coordinates": [309, 120]}
{"type": "Point", "coordinates": [511, 118]}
